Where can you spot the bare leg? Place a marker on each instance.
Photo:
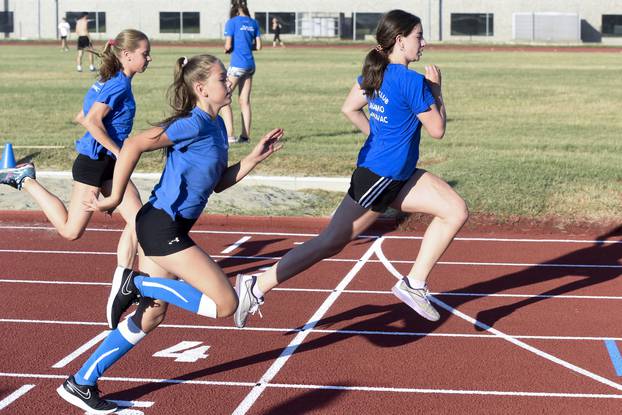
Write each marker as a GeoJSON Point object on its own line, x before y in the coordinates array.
{"type": "Point", "coordinates": [244, 100]}
{"type": "Point", "coordinates": [226, 113]}
{"type": "Point", "coordinates": [128, 244]}
{"type": "Point", "coordinates": [79, 57]}
{"type": "Point", "coordinates": [426, 193]}
{"type": "Point", "coordinates": [71, 223]}
{"type": "Point", "coordinates": [348, 222]}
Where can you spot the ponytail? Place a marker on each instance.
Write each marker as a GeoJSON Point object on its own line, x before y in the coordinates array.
{"type": "Point", "coordinates": [129, 40]}
{"type": "Point", "coordinates": [180, 93]}
{"type": "Point", "coordinates": [391, 25]}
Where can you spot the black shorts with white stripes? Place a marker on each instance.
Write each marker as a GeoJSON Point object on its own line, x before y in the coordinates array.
{"type": "Point", "coordinates": [372, 191]}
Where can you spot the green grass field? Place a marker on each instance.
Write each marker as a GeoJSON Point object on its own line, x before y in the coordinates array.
{"type": "Point", "coordinates": [532, 134]}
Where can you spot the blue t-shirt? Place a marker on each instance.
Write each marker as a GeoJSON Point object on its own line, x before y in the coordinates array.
{"type": "Point", "coordinates": [194, 164]}
{"type": "Point", "coordinates": [392, 148]}
{"type": "Point", "coordinates": [116, 93]}
{"type": "Point", "coordinates": [243, 30]}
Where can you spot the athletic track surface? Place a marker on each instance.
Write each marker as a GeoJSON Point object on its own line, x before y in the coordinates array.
{"type": "Point", "coordinates": [334, 339]}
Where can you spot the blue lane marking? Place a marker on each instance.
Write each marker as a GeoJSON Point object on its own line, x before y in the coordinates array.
{"type": "Point", "coordinates": [614, 354]}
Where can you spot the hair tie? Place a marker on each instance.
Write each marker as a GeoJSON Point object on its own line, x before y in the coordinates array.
{"type": "Point", "coordinates": [112, 42]}
{"type": "Point", "coordinates": [185, 62]}
{"type": "Point", "coordinates": [379, 48]}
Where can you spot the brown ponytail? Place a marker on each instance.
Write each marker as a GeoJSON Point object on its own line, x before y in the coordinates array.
{"type": "Point", "coordinates": [128, 39]}
{"type": "Point", "coordinates": [392, 24]}
{"type": "Point", "coordinates": [180, 93]}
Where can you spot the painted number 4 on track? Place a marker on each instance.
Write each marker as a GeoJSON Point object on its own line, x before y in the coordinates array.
{"type": "Point", "coordinates": [185, 351]}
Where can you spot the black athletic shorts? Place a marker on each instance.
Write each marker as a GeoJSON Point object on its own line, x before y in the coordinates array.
{"type": "Point", "coordinates": [93, 172]}
{"type": "Point", "coordinates": [372, 191]}
{"type": "Point", "coordinates": [84, 42]}
{"type": "Point", "coordinates": [159, 235]}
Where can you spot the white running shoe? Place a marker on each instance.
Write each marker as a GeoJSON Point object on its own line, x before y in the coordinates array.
{"type": "Point", "coordinates": [247, 302]}
{"type": "Point", "coordinates": [416, 298]}
{"type": "Point", "coordinates": [79, 68]}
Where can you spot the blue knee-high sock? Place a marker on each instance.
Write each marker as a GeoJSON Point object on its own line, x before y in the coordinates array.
{"type": "Point", "coordinates": [176, 292]}
{"type": "Point", "coordinates": [113, 348]}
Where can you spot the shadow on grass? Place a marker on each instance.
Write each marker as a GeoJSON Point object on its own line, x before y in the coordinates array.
{"type": "Point", "coordinates": [28, 158]}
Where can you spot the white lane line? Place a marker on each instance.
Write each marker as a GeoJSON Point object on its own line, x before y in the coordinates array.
{"type": "Point", "coordinates": [15, 396]}
{"type": "Point", "coordinates": [348, 260]}
{"type": "Point", "coordinates": [447, 391]}
{"type": "Point", "coordinates": [289, 330]}
{"type": "Point", "coordinates": [405, 237]}
{"type": "Point", "coordinates": [80, 350]}
{"type": "Point", "coordinates": [333, 387]}
{"type": "Point", "coordinates": [236, 245]}
{"type": "Point", "coordinates": [379, 292]}
{"type": "Point", "coordinates": [502, 335]}
{"type": "Point", "coordinates": [272, 371]}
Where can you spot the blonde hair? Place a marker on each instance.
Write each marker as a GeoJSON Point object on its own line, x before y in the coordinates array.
{"type": "Point", "coordinates": [128, 39]}
{"type": "Point", "coordinates": [180, 93]}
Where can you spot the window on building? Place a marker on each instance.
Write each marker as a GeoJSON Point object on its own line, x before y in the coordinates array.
{"type": "Point", "coordinates": [6, 22]}
{"type": "Point", "coordinates": [97, 21]}
{"type": "Point", "coordinates": [180, 22]}
{"type": "Point", "coordinates": [612, 25]}
{"type": "Point", "coordinates": [287, 20]}
{"type": "Point", "coordinates": [365, 24]}
{"type": "Point", "coordinates": [472, 24]}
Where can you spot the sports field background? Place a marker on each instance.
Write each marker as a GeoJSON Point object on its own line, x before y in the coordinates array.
{"type": "Point", "coordinates": [530, 134]}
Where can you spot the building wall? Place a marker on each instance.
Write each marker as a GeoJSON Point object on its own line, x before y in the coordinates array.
{"type": "Point", "coordinates": [34, 19]}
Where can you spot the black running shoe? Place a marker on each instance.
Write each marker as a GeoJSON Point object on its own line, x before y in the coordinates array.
{"type": "Point", "coordinates": [15, 176]}
{"type": "Point", "coordinates": [85, 397]}
{"type": "Point", "coordinates": [122, 295]}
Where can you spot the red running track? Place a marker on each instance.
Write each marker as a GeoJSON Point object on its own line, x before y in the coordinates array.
{"type": "Point", "coordinates": [334, 339]}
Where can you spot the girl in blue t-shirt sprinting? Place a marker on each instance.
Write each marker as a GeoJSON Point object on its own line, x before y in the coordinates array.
{"type": "Point", "coordinates": [107, 114]}
{"type": "Point", "coordinates": [242, 36]}
{"type": "Point", "coordinates": [399, 101]}
{"type": "Point", "coordinates": [183, 274]}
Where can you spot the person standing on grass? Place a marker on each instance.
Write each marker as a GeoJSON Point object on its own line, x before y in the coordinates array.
{"type": "Point", "coordinates": [276, 29]}
{"type": "Point", "coordinates": [400, 102]}
{"type": "Point", "coordinates": [84, 42]}
{"type": "Point", "coordinates": [242, 36]}
{"type": "Point", "coordinates": [63, 31]}
{"type": "Point", "coordinates": [195, 141]}
{"type": "Point", "coordinates": [107, 114]}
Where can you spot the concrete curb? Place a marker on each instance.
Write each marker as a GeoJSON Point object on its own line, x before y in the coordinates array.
{"type": "Point", "coordinates": [334, 184]}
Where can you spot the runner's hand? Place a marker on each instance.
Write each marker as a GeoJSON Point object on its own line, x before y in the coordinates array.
{"type": "Point", "coordinates": [268, 145]}
{"type": "Point", "coordinates": [433, 75]}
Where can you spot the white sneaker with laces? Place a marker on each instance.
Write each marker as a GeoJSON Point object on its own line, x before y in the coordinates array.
{"type": "Point", "coordinates": [247, 302]}
{"type": "Point", "coordinates": [416, 298]}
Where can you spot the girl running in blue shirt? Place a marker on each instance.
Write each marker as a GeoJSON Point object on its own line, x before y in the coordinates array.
{"type": "Point", "coordinates": [400, 101]}
{"type": "Point", "coordinates": [242, 36]}
{"type": "Point", "coordinates": [196, 146]}
{"type": "Point", "coordinates": [107, 114]}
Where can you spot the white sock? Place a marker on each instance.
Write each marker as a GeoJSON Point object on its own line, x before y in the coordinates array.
{"type": "Point", "coordinates": [414, 283]}
{"type": "Point", "coordinates": [256, 290]}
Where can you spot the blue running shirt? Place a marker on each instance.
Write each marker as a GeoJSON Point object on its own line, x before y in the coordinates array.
{"type": "Point", "coordinates": [116, 93]}
{"type": "Point", "coordinates": [243, 30]}
{"type": "Point", "coordinates": [194, 164]}
{"type": "Point", "coordinates": [392, 148]}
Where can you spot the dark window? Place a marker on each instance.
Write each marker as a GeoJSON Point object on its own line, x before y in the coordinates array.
{"type": "Point", "coordinates": [612, 25]}
{"type": "Point", "coordinates": [366, 24]}
{"type": "Point", "coordinates": [191, 22]}
{"type": "Point", "coordinates": [287, 20]}
{"type": "Point", "coordinates": [472, 24]}
{"type": "Point", "coordinates": [6, 22]}
{"type": "Point", "coordinates": [97, 21]}
{"type": "Point", "coordinates": [170, 22]}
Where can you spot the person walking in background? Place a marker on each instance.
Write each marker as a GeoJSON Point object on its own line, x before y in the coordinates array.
{"type": "Point", "coordinates": [63, 31]}
{"type": "Point", "coordinates": [84, 42]}
{"type": "Point", "coordinates": [242, 36]}
{"type": "Point", "coordinates": [276, 29]}
{"type": "Point", "coordinates": [400, 101]}
{"type": "Point", "coordinates": [195, 141]}
{"type": "Point", "coordinates": [107, 114]}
